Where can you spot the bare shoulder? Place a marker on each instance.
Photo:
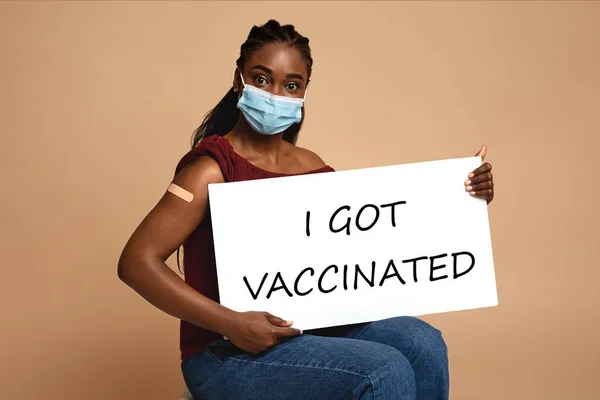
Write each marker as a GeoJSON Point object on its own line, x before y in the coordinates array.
{"type": "Point", "coordinates": [308, 159]}
{"type": "Point", "coordinates": [200, 172]}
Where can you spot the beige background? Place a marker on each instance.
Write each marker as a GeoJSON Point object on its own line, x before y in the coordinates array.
{"type": "Point", "coordinates": [97, 105]}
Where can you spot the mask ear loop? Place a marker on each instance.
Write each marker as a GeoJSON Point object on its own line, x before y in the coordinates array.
{"type": "Point", "coordinates": [243, 83]}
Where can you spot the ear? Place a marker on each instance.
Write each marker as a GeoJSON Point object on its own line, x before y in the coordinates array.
{"type": "Point", "coordinates": [237, 82]}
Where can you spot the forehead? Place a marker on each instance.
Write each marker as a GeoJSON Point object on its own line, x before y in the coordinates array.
{"type": "Point", "coordinates": [280, 58]}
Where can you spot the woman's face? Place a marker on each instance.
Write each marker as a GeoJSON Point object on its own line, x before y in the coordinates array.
{"type": "Point", "coordinates": [276, 68]}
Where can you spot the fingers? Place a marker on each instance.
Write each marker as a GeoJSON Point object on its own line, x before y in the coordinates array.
{"type": "Point", "coordinates": [487, 167]}
{"type": "Point", "coordinates": [286, 332]}
{"type": "Point", "coordinates": [481, 182]}
{"type": "Point", "coordinates": [277, 321]}
{"type": "Point", "coordinates": [487, 194]}
{"type": "Point", "coordinates": [481, 186]}
{"type": "Point", "coordinates": [485, 177]}
{"type": "Point", "coordinates": [281, 327]}
{"type": "Point", "coordinates": [484, 190]}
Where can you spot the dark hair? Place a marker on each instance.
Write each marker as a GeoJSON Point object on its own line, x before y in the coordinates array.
{"type": "Point", "coordinates": [221, 119]}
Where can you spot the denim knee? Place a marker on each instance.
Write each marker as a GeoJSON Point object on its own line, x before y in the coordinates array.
{"type": "Point", "coordinates": [393, 380]}
{"type": "Point", "coordinates": [430, 347]}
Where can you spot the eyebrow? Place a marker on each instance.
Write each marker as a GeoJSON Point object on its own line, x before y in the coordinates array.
{"type": "Point", "coordinates": [270, 71]}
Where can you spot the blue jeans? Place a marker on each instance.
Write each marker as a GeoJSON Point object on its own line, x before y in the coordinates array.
{"type": "Point", "coordinates": [400, 358]}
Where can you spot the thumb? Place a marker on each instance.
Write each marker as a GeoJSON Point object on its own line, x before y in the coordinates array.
{"type": "Point", "coordinates": [277, 321]}
{"type": "Point", "coordinates": [482, 152]}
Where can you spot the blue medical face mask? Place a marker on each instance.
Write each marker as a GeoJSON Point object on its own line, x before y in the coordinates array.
{"type": "Point", "coordinates": [267, 113]}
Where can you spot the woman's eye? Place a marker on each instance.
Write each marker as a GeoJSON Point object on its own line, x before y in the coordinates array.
{"type": "Point", "coordinates": [261, 80]}
{"type": "Point", "coordinates": [292, 86]}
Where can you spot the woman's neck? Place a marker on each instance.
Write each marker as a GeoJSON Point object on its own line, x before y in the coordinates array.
{"type": "Point", "coordinates": [252, 144]}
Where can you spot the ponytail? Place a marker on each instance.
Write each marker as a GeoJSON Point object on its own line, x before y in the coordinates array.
{"type": "Point", "coordinates": [220, 120]}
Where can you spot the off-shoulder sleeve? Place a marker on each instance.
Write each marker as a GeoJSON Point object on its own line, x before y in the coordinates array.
{"type": "Point", "coordinates": [216, 148]}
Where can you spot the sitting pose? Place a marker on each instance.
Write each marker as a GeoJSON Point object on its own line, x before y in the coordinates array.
{"type": "Point", "coordinates": [251, 134]}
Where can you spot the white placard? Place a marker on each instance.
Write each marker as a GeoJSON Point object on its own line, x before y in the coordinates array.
{"type": "Point", "coordinates": [418, 244]}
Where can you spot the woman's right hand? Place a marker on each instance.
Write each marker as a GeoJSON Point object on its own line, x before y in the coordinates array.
{"type": "Point", "coordinates": [255, 331]}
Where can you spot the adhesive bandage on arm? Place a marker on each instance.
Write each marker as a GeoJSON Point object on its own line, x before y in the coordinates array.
{"type": "Point", "coordinates": [180, 192]}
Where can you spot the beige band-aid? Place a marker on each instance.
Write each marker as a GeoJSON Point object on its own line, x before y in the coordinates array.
{"type": "Point", "coordinates": [180, 192]}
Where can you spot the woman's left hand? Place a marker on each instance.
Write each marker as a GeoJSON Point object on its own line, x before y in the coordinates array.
{"type": "Point", "coordinates": [480, 182]}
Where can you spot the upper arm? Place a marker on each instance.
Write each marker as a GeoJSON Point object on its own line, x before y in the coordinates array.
{"type": "Point", "coordinates": [173, 219]}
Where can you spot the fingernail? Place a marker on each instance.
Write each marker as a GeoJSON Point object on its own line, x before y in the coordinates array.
{"type": "Point", "coordinates": [290, 322]}
{"type": "Point", "coordinates": [469, 188]}
{"type": "Point", "coordinates": [472, 193]}
{"type": "Point", "coordinates": [301, 332]}
{"type": "Point", "coordinates": [471, 175]}
{"type": "Point", "coordinates": [468, 182]}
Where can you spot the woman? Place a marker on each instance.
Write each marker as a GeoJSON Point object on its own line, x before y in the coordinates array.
{"type": "Point", "coordinates": [265, 356]}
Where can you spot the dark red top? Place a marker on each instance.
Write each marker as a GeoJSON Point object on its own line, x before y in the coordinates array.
{"type": "Point", "coordinates": [198, 249]}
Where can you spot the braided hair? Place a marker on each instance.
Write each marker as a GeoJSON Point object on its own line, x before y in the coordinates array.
{"type": "Point", "coordinates": [221, 119]}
